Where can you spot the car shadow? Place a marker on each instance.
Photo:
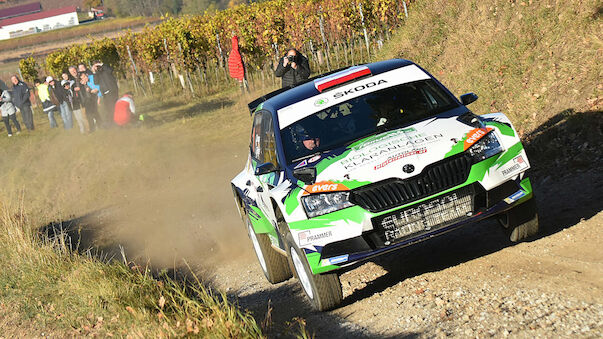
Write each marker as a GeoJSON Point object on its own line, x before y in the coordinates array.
{"type": "Point", "coordinates": [566, 154]}
{"type": "Point", "coordinates": [284, 304]}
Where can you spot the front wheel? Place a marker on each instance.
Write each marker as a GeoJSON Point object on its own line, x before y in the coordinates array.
{"type": "Point", "coordinates": [323, 290]}
{"type": "Point", "coordinates": [274, 265]}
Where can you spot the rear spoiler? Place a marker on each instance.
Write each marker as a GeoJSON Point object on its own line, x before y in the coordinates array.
{"type": "Point", "coordinates": [253, 106]}
{"type": "Point", "coordinates": [257, 102]}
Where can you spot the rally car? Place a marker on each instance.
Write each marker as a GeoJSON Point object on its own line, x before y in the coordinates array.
{"type": "Point", "coordinates": [366, 160]}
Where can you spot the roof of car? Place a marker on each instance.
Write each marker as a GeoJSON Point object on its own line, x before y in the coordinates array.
{"type": "Point", "coordinates": [285, 97]}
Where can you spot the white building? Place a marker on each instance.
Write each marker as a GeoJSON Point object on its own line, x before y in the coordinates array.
{"type": "Point", "coordinates": [38, 22]}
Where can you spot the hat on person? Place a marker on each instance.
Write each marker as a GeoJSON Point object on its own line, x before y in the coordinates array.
{"type": "Point", "coordinates": [49, 78]}
{"type": "Point", "coordinates": [63, 82]}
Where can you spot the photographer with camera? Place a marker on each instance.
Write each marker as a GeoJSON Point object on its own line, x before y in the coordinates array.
{"type": "Point", "coordinates": [294, 69]}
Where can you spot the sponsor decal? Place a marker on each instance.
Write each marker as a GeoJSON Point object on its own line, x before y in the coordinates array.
{"type": "Point", "coordinates": [474, 135]}
{"type": "Point", "coordinates": [515, 196]}
{"type": "Point", "coordinates": [393, 147]}
{"type": "Point", "coordinates": [321, 102]}
{"type": "Point", "coordinates": [301, 164]}
{"type": "Point", "coordinates": [516, 165]}
{"type": "Point", "coordinates": [359, 88]}
{"type": "Point", "coordinates": [314, 159]}
{"type": "Point", "coordinates": [325, 187]}
{"type": "Point", "coordinates": [400, 156]}
{"type": "Point", "coordinates": [338, 259]}
{"type": "Point", "coordinates": [306, 237]}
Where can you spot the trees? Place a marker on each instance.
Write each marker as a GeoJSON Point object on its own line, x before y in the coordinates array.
{"type": "Point", "coordinates": [265, 29]}
{"type": "Point", "coordinates": [29, 69]}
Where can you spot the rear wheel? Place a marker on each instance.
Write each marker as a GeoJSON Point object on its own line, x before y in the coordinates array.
{"type": "Point", "coordinates": [520, 222]}
{"type": "Point", "coordinates": [323, 290]}
{"type": "Point", "coordinates": [274, 265]}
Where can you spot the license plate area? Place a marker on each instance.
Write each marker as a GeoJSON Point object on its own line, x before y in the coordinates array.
{"type": "Point", "coordinates": [424, 217]}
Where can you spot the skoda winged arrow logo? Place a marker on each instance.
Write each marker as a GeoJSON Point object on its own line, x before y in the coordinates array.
{"type": "Point", "coordinates": [408, 168]}
{"type": "Point", "coordinates": [321, 102]}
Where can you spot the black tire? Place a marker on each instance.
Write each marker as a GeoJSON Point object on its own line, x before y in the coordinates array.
{"type": "Point", "coordinates": [273, 264]}
{"type": "Point", "coordinates": [521, 222]}
{"type": "Point", "coordinates": [323, 290]}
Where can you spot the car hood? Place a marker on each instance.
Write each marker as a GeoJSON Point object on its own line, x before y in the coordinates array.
{"type": "Point", "coordinates": [399, 153]}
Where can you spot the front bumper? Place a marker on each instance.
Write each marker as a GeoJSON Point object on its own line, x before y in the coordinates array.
{"type": "Point", "coordinates": [372, 243]}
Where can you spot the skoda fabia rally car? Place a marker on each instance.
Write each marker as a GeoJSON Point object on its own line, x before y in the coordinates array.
{"type": "Point", "coordinates": [359, 162]}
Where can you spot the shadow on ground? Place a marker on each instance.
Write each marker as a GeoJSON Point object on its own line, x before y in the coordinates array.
{"type": "Point", "coordinates": [168, 111]}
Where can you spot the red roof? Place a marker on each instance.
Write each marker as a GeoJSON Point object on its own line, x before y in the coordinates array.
{"type": "Point", "coordinates": [37, 16]}
{"type": "Point", "coordinates": [20, 10]}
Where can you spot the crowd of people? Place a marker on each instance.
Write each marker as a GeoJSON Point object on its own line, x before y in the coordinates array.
{"type": "Point", "coordinates": [88, 95]}
{"type": "Point", "coordinates": [91, 96]}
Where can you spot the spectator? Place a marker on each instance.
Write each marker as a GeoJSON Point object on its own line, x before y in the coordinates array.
{"type": "Point", "coordinates": [9, 112]}
{"type": "Point", "coordinates": [125, 110]}
{"type": "Point", "coordinates": [73, 77]}
{"type": "Point", "coordinates": [89, 99]}
{"type": "Point", "coordinates": [103, 77]}
{"type": "Point", "coordinates": [74, 103]}
{"type": "Point", "coordinates": [21, 99]}
{"type": "Point", "coordinates": [294, 69]}
{"type": "Point", "coordinates": [83, 69]}
{"type": "Point", "coordinates": [75, 86]}
{"type": "Point", "coordinates": [61, 96]}
{"type": "Point", "coordinates": [49, 103]}
{"type": "Point", "coordinates": [65, 77]}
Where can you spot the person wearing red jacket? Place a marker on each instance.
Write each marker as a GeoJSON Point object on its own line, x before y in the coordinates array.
{"type": "Point", "coordinates": [124, 109]}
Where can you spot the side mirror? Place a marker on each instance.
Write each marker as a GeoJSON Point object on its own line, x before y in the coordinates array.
{"type": "Point", "coordinates": [468, 98]}
{"type": "Point", "coordinates": [307, 174]}
{"type": "Point", "coordinates": [265, 168]}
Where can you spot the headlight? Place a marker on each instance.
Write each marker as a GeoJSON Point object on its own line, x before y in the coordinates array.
{"type": "Point", "coordinates": [319, 204]}
{"type": "Point", "coordinates": [485, 148]}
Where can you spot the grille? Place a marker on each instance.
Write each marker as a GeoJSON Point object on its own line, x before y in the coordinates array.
{"type": "Point", "coordinates": [392, 193]}
{"type": "Point", "coordinates": [424, 217]}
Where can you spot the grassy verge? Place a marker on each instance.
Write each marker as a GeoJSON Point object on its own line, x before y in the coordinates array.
{"type": "Point", "coordinates": [528, 59]}
{"type": "Point", "coordinates": [54, 291]}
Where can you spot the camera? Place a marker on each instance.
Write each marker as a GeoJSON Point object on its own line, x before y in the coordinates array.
{"type": "Point", "coordinates": [292, 58]}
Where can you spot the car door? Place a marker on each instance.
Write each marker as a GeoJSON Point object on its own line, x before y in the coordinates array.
{"type": "Point", "coordinates": [263, 151]}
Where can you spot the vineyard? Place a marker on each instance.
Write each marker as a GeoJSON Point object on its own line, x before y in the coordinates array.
{"type": "Point", "coordinates": [192, 50]}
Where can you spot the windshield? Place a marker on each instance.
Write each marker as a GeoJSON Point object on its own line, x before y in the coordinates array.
{"type": "Point", "coordinates": [372, 113]}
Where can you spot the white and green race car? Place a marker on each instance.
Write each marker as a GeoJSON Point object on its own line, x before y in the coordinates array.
{"type": "Point", "coordinates": [359, 162]}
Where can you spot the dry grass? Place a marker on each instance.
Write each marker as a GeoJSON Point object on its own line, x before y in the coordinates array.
{"type": "Point", "coordinates": [529, 59]}
{"type": "Point", "coordinates": [47, 288]}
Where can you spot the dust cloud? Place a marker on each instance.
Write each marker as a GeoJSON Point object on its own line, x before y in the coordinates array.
{"type": "Point", "coordinates": [162, 193]}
